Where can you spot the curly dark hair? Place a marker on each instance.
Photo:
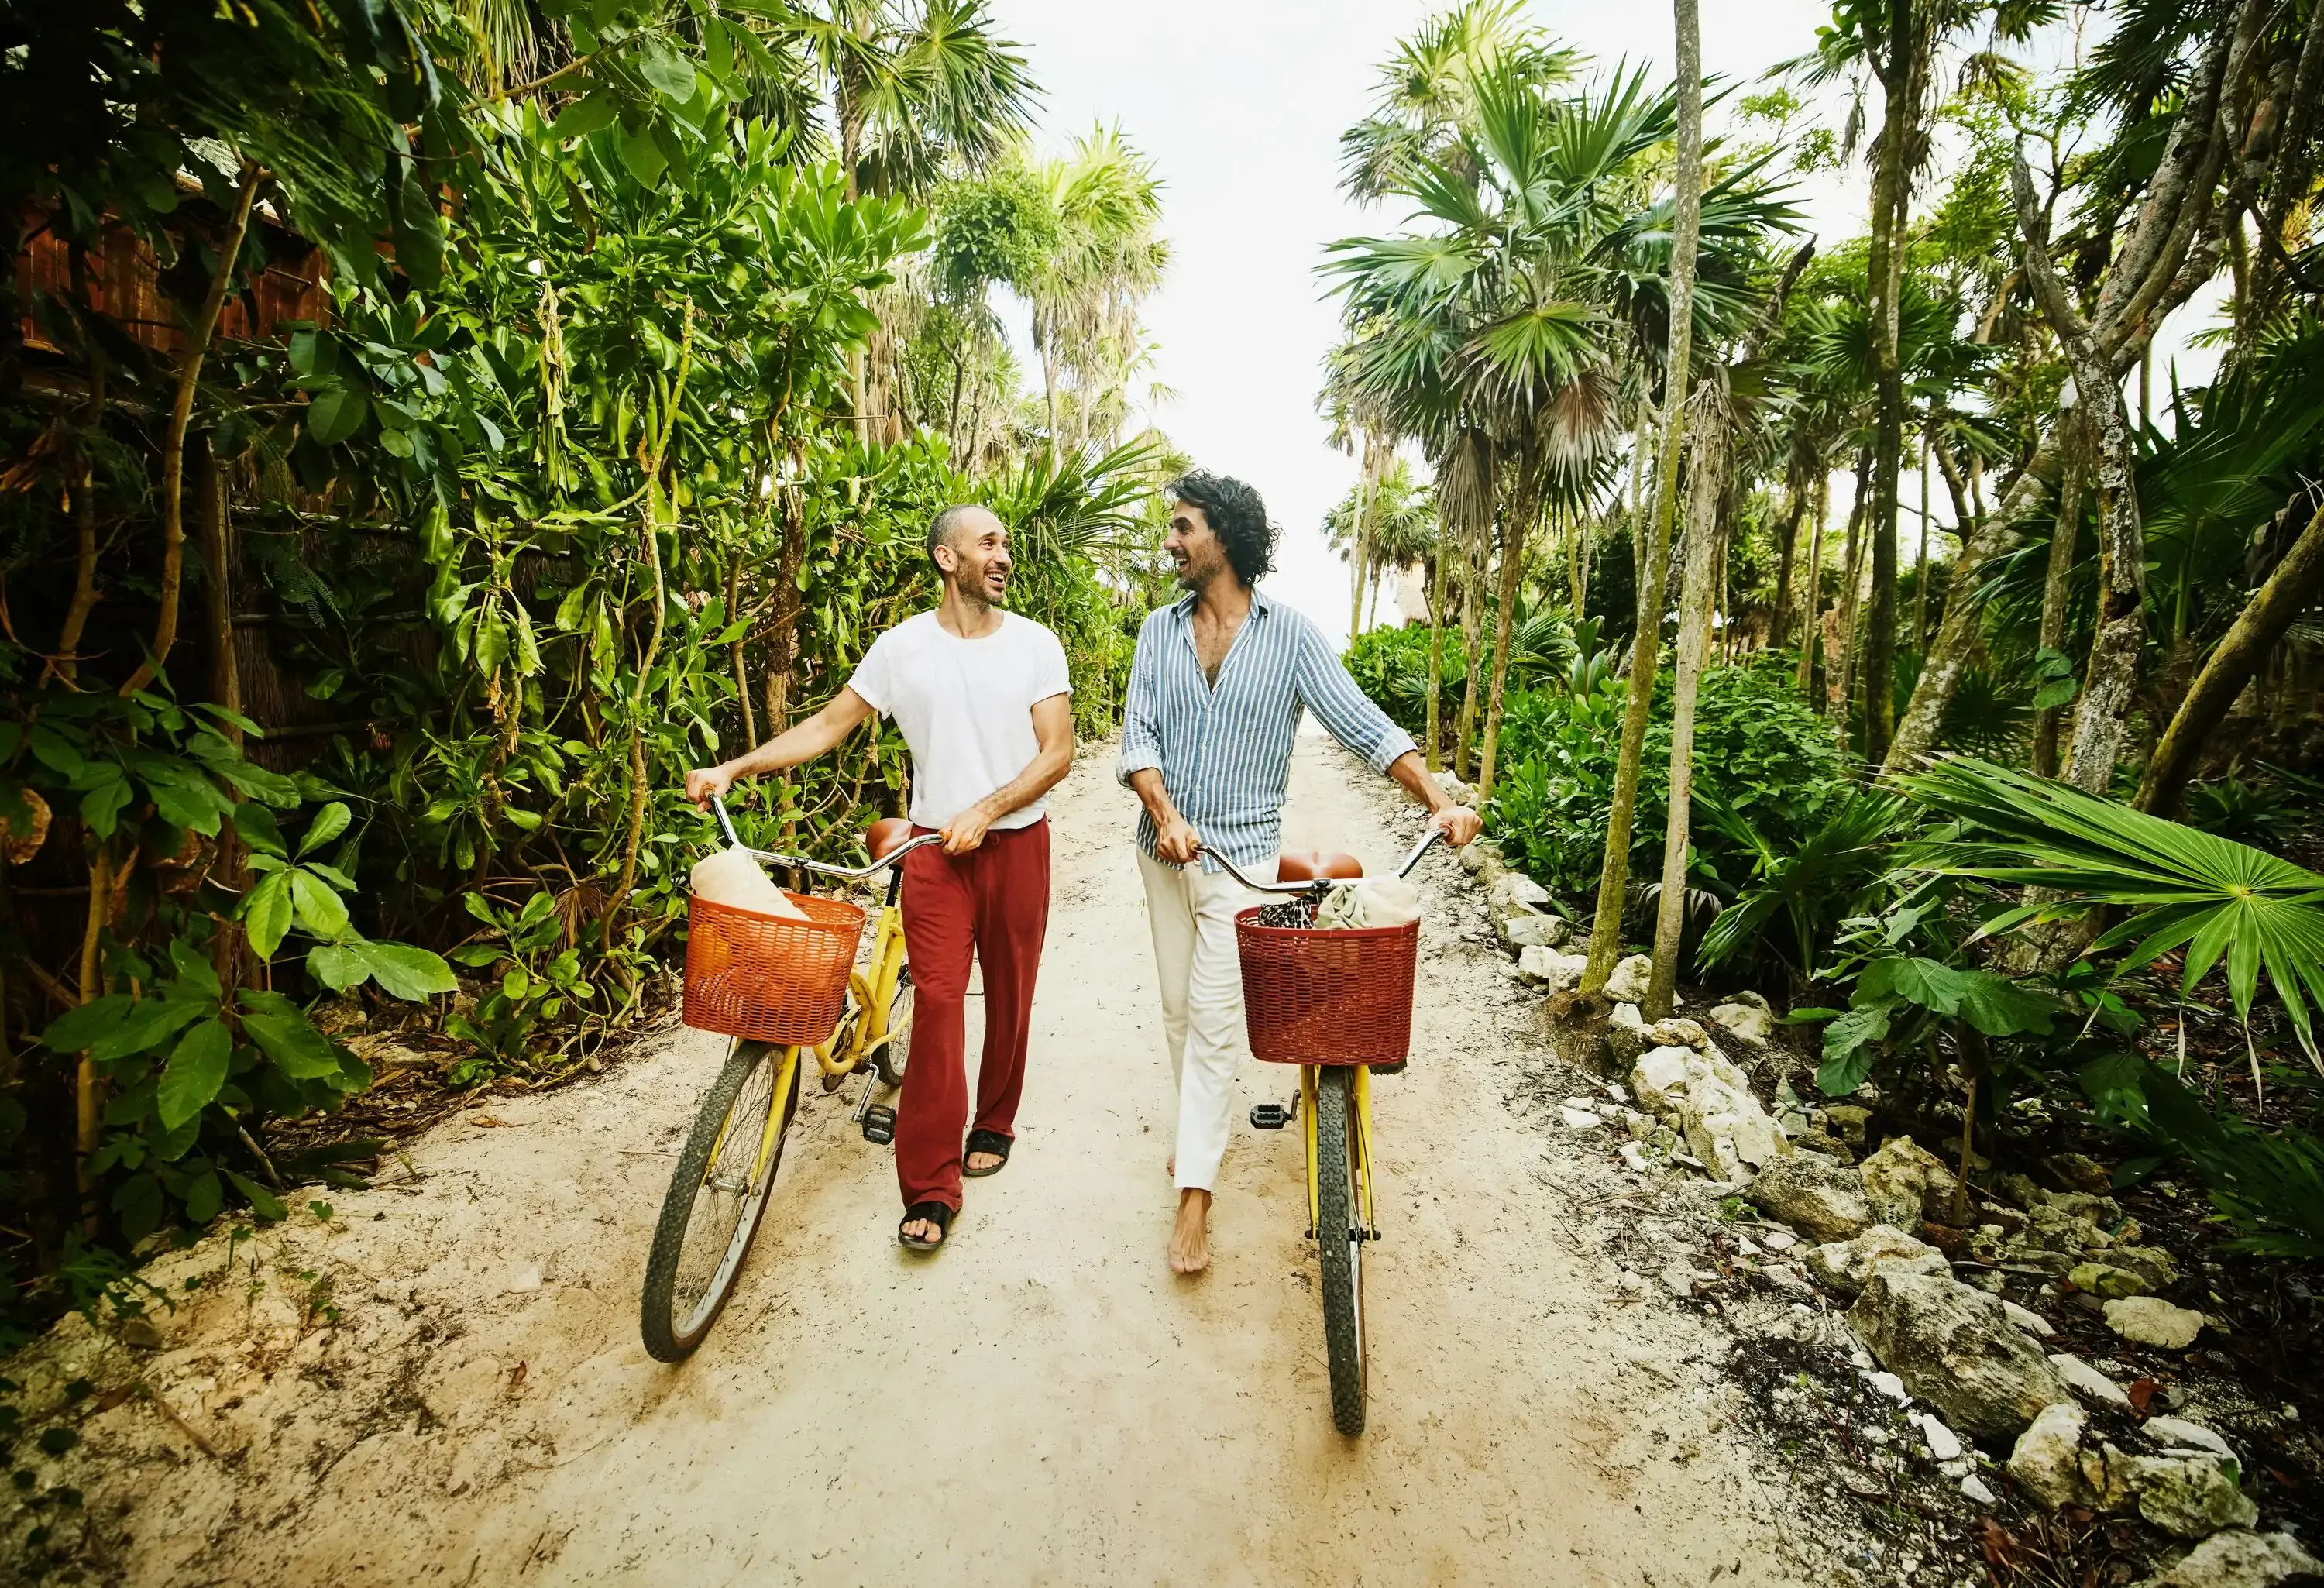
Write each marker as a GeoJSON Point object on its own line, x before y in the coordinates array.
{"type": "Point", "coordinates": [1236, 515]}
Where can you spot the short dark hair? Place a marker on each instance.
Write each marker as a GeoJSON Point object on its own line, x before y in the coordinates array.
{"type": "Point", "coordinates": [1236, 516]}
{"type": "Point", "coordinates": [947, 520]}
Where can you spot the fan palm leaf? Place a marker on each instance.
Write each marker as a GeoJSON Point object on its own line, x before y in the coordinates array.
{"type": "Point", "coordinates": [2177, 888]}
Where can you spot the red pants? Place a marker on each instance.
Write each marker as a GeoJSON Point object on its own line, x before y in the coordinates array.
{"type": "Point", "coordinates": [991, 903]}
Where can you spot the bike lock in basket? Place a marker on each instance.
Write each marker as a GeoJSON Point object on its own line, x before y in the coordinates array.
{"type": "Point", "coordinates": [768, 978]}
{"type": "Point", "coordinates": [1327, 997]}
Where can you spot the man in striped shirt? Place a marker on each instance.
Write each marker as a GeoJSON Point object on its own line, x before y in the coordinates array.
{"type": "Point", "coordinates": [1220, 677]}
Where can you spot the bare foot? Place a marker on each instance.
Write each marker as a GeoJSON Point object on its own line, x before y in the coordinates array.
{"type": "Point", "coordinates": [1190, 1242]}
{"type": "Point", "coordinates": [981, 1163]}
{"type": "Point", "coordinates": [924, 1229]}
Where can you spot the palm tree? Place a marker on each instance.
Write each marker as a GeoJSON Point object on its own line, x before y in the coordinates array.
{"type": "Point", "coordinates": [1387, 521]}
{"type": "Point", "coordinates": [1479, 327]}
{"type": "Point", "coordinates": [1108, 258]}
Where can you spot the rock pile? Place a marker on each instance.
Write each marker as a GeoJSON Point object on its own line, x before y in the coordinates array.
{"type": "Point", "coordinates": [1884, 1225]}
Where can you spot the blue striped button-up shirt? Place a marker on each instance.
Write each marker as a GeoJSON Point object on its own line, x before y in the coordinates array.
{"type": "Point", "coordinates": [1224, 750]}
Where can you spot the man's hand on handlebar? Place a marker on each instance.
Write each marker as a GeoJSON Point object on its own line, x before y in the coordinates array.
{"type": "Point", "coordinates": [1175, 842]}
{"type": "Point", "coordinates": [706, 783]}
{"type": "Point", "coordinates": [965, 831]}
{"type": "Point", "coordinates": [1460, 823]}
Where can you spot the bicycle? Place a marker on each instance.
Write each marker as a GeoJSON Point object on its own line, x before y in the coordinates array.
{"type": "Point", "coordinates": [1337, 1004]}
{"type": "Point", "coordinates": [780, 989]}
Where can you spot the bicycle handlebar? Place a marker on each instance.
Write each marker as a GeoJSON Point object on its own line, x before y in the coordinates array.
{"type": "Point", "coordinates": [1431, 837]}
{"type": "Point", "coordinates": [853, 874]}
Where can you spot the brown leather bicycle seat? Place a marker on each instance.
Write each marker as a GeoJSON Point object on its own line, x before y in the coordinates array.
{"type": "Point", "coordinates": [883, 837]}
{"type": "Point", "coordinates": [1305, 865]}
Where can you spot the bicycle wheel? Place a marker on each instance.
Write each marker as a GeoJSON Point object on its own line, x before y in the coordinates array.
{"type": "Point", "coordinates": [717, 1195]}
{"type": "Point", "coordinates": [1340, 1240]}
{"type": "Point", "coordinates": [896, 1052]}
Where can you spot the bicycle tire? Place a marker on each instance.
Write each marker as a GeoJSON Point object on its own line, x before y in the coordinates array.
{"type": "Point", "coordinates": [1339, 1241]}
{"type": "Point", "coordinates": [672, 1321]}
{"type": "Point", "coordinates": [896, 1052]}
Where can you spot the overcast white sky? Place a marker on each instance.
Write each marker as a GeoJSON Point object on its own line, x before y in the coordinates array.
{"type": "Point", "coordinates": [1241, 103]}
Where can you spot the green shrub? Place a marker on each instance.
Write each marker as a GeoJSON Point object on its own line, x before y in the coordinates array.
{"type": "Point", "coordinates": [1391, 667]}
{"type": "Point", "coordinates": [1758, 752]}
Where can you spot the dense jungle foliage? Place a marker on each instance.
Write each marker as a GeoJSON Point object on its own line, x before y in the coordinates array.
{"type": "Point", "coordinates": [1948, 665]}
{"type": "Point", "coordinates": [428, 430]}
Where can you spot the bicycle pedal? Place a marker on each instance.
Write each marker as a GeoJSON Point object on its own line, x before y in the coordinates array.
{"type": "Point", "coordinates": [1270, 1116]}
{"type": "Point", "coordinates": [880, 1125]}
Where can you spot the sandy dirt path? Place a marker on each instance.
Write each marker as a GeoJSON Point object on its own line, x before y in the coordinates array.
{"type": "Point", "coordinates": [1045, 1403]}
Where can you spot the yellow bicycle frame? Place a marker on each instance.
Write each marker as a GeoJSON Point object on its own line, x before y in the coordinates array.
{"type": "Point", "coordinates": [870, 994]}
{"type": "Point", "coordinates": [1308, 1076]}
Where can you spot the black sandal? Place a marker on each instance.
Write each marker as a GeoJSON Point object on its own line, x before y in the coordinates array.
{"type": "Point", "coordinates": [992, 1141]}
{"type": "Point", "coordinates": [938, 1214]}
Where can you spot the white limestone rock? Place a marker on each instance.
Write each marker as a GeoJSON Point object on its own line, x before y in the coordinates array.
{"type": "Point", "coordinates": [1843, 1266]}
{"type": "Point", "coordinates": [2026, 1318]}
{"type": "Point", "coordinates": [1626, 1035]}
{"type": "Point", "coordinates": [1628, 984]}
{"type": "Point", "coordinates": [2240, 1558]}
{"type": "Point", "coordinates": [1814, 1196]}
{"type": "Point", "coordinates": [2178, 1432]}
{"type": "Point", "coordinates": [1906, 1184]}
{"type": "Point", "coordinates": [2085, 1380]}
{"type": "Point", "coordinates": [1530, 929]}
{"type": "Point", "coordinates": [1749, 1024]}
{"type": "Point", "coordinates": [2149, 1320]}
{"type": "Point", "coordinates": [1545, 967]}
{"type": "Point", "coordinates": [1953, 1348]}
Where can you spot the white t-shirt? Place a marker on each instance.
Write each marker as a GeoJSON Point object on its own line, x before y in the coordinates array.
{"type": "Point", "coordinates": [965, 707]}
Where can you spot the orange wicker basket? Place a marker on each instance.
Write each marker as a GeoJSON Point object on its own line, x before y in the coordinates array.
{"type": "Point", "coordinates": [1327, 997]}
{"type": "Point", "coordinates": [768, 978]}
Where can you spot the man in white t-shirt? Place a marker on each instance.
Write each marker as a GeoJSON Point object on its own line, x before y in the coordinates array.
{"type": "Point", "coordinates": [984, 701]}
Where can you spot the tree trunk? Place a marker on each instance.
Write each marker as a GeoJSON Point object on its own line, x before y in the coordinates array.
{"type": "Point", "coordinates": [1811, 592]}
{"type": "Point", "coordinates": [1706, 476]}
{"type": "Point", "coordinates": [173, 443]}
{"type": "Point", "coordinates": [1435, 752]}
{"type": "Point", "coordinates": [1472, 620]}
{"type": "Point", "coordinates": [1787, 541]}
{"type": "Point", "coordinates": [1900, 78]}
{"type": "Point", "coordinates": [2100, 718]}
{"type": "Point", "coordinates": [2057, 584]}
{"type": "Point", "coordinates": [1840, 637]}
{"type": "Point", "coordinates": [1957, 630]}
{"type": "Point", "coordinates": [1613, 882]}
{"type": "Point", "coordinates": [1358, 539]}
{"type": "Point", "coordinates": [89, 1090]}
{"type": "Point", "coordinates": [2296, 582]}
{"type": "Point", "coordinates": [1504, 614]}
{"type": "Point", "coordinates": [1577, 562]}
{"type": "Point", "coordinates": [1921, 566]}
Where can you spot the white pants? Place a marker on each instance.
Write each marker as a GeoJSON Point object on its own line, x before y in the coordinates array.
{"type": "Point", "coordinates": [1192, 915]}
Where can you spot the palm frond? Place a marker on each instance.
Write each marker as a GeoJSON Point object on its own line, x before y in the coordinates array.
{"type": "Point", "coordinates": [2178, 889]}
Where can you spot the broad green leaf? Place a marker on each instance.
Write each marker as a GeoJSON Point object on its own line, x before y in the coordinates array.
{"type": "Point", "coordinates": [266, 913]}
{"type": "Point", "coordinates": [289, 1040]}
{"type": "Point", "coordinates": [328, 823]}
{"type": "Point", "coordinates": [196, 1071]}
{"type": "Point", "coordinates": [336, 965]}
{"type": "Point", "coordinates": [76, 1029]}
{"type": "Point", "coordinates": [666, 72]}
{"type": "Point", "coordinates": [335, 415]}
{"type": "Point", "coordinates": [584, 116]}
{"type": "Point", "coordinates": [258, 828]}
{"type": "Point", "coordinates": [1999, 1007]}
{"type": "Point", "coordinates": [409, 973]}
{"type": "Point", "coordinates": [205, 1197]}
{"type": "Point", "coordinates": [318, 906]}
{"type": "Point", "coordinates": [147, 1026]}
{"type": "Point", "coordinates": [642, 156]}
{"type": "Point", "coordinates": [263, 1202]}
{"type": "Point", "coordinates": [1847, 1048]}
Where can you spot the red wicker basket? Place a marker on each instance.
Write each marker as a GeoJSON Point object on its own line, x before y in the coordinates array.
{"type": "Point", "coordinates": [768, 978]}
{"type": "Point", "coordinates": [1325, 997]}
